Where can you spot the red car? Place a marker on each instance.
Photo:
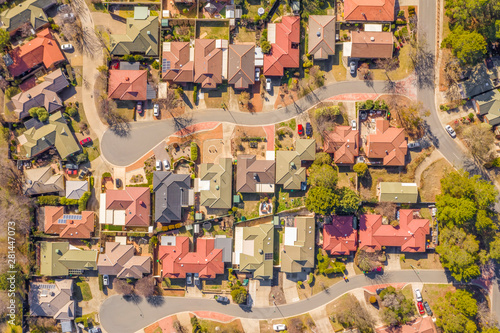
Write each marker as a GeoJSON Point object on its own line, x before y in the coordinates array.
{"type": "Point", "coordinates": [301, 129]}
{"type": "Point", "coordinates": [420, 306]}
{"type": "Point", "coordinates": [85, 141]}
{"type": "Point", "coordinates": [71, 172]}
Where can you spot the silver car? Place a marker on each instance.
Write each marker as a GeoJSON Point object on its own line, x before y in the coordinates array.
{"type": "Point", "coordinates": [158, 165]}
{"type": "Point", "coordinates": [352, 67]}
{"type": "Point", "coordinates": [450, 131]}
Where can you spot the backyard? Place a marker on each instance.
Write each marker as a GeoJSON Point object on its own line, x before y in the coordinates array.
{"type": "Point", "coordinates": [288, 200]}
{"type": "Point", "coordinates": [245, 35]}
{"type": "Point", "coordinates": [212, 29]}
{"type": "Point", "coordinates": [82, 290]}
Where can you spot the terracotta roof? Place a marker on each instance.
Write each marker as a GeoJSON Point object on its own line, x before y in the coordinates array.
{"type": "Point", "coordinates": [177, 261]}
{"type": "Point", "coordinates": [409, 235]}
{"type": "Point", "coordinates": [207, 63]}
{"type": "Point", "coordinates": [340, 238]}
{"type": "Point", "coordinates": [130, 85]}
{"type": "Point", "coordinates": [321, 36]}
{"type": "Point", "coordinates": [419, 325]}
{"type": "Point", "coordinates": [285, 48]}
{"type": "Point", "coordinates": [119, 260]}
{"type": "Point", "coordinates": [252, 172]}
{"type": "Point", "coordinates": [343, 143]}
{"type": "Point", "coordinates": [369, 10]}
{"type": "Point", "coordinates": [135, 201]}
{"type": "Point", "coordinates": [176, 65]}
{"type": "Point", "coordinates": [241, 69]}
{"type": "Point", "coordinates": [388, 144]}
{"type": "Point", "coordinates": [371, 44]}
{"type": "Point", "coordinates": [41, 50]}
{"type": "Point", "coordinates": [68, 225]}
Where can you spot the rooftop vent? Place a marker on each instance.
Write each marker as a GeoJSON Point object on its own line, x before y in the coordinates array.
{"type": "Point", "coordinates": [372, 39]}
{"type": "Point", "coordinates": [29, 96]}
{"type": "Point", "coordinates": [127, 79]}
{"type": "Point", "coordinates": [318, 34]}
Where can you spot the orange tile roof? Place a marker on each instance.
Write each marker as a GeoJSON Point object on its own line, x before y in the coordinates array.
{"type": "Point", "coordinates": [409, 235]}
{"type": "Point", "coordinates": [181, 69]}
{"type": "Point", "coordinates": [372, 44]}
{"type": "Point", "coordinates": [68, 225]}
{"type": "Point", "coordinates": [135, 201]}
{"type": "Point", "coordinates": [388, 144]}
{"type": "Point", "coordinates": [343, 143]}
{"type": "Point", "coordinates": [340, 238]}
{"type": "Point", "coordinates": [419, 325]}
{"type": "Point", "coordinates": [128, 85]}
{"type": "Point", "coordinates": [369, 10]}
{"type": "Point", "coordinates": [285, 52]}
{"type": "Point", "coordinates": [177, 261]}
{"type": "Point", "coordinates": [41, 50]}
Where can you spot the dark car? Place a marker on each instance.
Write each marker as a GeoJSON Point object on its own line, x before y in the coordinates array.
{"type": "Point", "coordinates": [428, 308]}
{"type": "Point", "coordinates": [309, 129]}
{"type": "Point", "coordinates": [300, 129]}
{"type": "Point", "coordinates": [379, 290]}
{"type": "Point", "coordinates": [118, 182]}
{"type": "Point", "coordinates": [84, 172]}
{"type": "Point", "coordinates": [71, 166]}
{"type": "Point", "coordinates": [222, 299]}
{"type": "Point", "coordinates": [85, 141]}
{"type": "Point", "coordinates": [139, 107]}
{"type": "Point", "coordinates": [420, 308]}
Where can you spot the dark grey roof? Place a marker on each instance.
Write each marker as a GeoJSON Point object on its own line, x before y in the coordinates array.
{"type": "Point", "coordinates": [171, 194]}
{"type": "Point", "coordinates": [226, 244]}
{"type": "Point", "coordinates": [33, 122]}
{"type": "Point", "coordinates": [126, 65]}
{"type": "Point", "coordinates": [150, 92]}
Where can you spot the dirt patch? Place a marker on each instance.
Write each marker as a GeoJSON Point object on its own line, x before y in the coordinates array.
{"type": "Point", "coordinates": [211, 150]}
{"type": "Point", "coordinates": [199, 138]}
{"type": "Point", "coordinates": [430, 181]}
{"type": "Point", "coordinates": [241, 142]}
{"type": "Point", "coordinates": [299, 324]}
{"type": "Point", "coordinates": [421, 260]}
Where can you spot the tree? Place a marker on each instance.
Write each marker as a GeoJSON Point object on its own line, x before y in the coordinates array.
{"type": "Point", "coordinates": [145, 286]}
{"type": "Point", "coordinates": [456, 311]}
{"type": "Point", "coordinates": [322, 175]}
{"type": "Point", "coordinates": [122, 287]}
{"type": "Point", "coordinates": [398, 310]}
{"type": "Point", "coordinates": [349, 313]}
{"type": "Point", "coordinates": [468, 46]}
{"type": "Point", "coordinates": [360, 168]}
{"type": "Point", "coordinates": [239, 295]}
{"type": "Point", "coordinates": [11, 91]}
{"type": "Point", "coordinates": [495, 249]}
{"type": "Point", "coordinates": [479, 138]}
{"type": "Point", "coordinates": [4, 39]}
{"type": "Point", "coordinates": [316, 76]}
{"type": "Point", "coordinates": [321, 200]}
{"type": "Point", "coordinates": [168, 102]}
{"type": "Point", "coordinates": [71, 111]}
{"type": "Point", "coordinates": [322, 158]}
{"type": "Point", "coordinates": [265, 46]}
{"type": "Point", "coordinates": [411, 116]}
{"type": "Point", "coordinates": [40, 113]}
{"type": "Point", "coordinates": [82, 158]}
{"type": "Point", "coordinates": [388, 64]}
{"type": "Point", "coordinates": [349, 201]}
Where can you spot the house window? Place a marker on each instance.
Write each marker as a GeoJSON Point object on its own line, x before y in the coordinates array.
{"type": "Point", "coordinates": [268, 256]}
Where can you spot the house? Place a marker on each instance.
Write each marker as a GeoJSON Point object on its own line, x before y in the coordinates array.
{"type": "Point", "coordinates": [289, 170]}
{"type": "Point", "coordinates": [177, 62]}
{"type": "Point", "coordinates": [298, 252]}
{"type": "Point", "coordinates": [54, 133]}
{"type": "Point", "coordinates": [285, 40]}
{"type": "Point", "coordinates": [172, 193]}
{"type": "Point", "coordinates": [478, 81]}
{"type": "Point", "coordinates": [388, 146]}
{"type": "Point", "coordinates": [129, 207]}
{"type": "Point", "coordinates": [340, 238]}
{"type": "Point", "coordinates": [43, 50]}
{"type": "Point", "coordinates": [45, 94]}
{"type": "Point", "coordinates": [398, 192]}
{"type": "Point", "coordinates": [42, 181]}
{"type": "Point", "coordinates": [177, 261]}
{"type": "Point", "coordinates": [255, 175]}
{"type": "Point", "coordinates": [119, 260]}
{"type": "Point", "coordinates": [409, 235]}
{"type": "Point", "coordinates": [141, 37]}
{"type": "Point", "coordinates": [487, 106]}
{"type": "Point", "coordinates": [29, 11]}
{"type": "Point", "coordinates": [369, 45]}
{"type": "Point", "coordinates": [128, 85]}
{"type": "Point", "coordinates": [419, 325]}
{"type": "Point", "coordinates": [52, 299]}
{"type": "Point", "coordinates": [68, 225]}
{"type": "Point", "coordinates": [208, 62]}
{"type": "Point", "coordinates": [215, 184]}
{"type": "Point", "coordinates": [253, 250]}
{"type": "Point", "coordinates": [343, 143]}
{"type": "Point", "coordinates": [369, 10]}
{"type": "Point", "coordinates": [76, 188]}
{"type": "Point", "coordinates": [63, 259]}
{"type": "Point", "coordinates": [321, 42]}
{"type": "Point", "coordinates": [241, 70]}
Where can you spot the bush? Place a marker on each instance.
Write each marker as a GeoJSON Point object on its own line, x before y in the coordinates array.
{"type": "Point", "coordinates": [444, 107]}
{"type": "Point", "coordinates": [106, 175]}
{"type": "Point", "coordinates": [40, 113]}
{"type": "Point", "coordinates": [91, 181]}
{"type": "Point", "coordinates": [373, 299]}
{"type": "Point", "coordinates": [155, 65]}
{"type": "Point", "coordinates": [307, 64]}
{"type": "Point", "coordinates": [195, 92]}
{"type": "Point", "coordinates": [411, 10]}
{"type": "Point", "coordinates": [101, 282]}
{"type": "Point", "coordinates": [48, 200]}
{"type": "Point", "coordinates": [265, 46]}
{"type": "Point", "coordinates": [399, 21]}
{"type": "Point", "coordinates": [360, 169]}
{"type": "Point", "coordinates": [11, 92]}
{"type": "Point", "coordinates": [138, 57]}
{"type": "Point", "coordinates": [401, 13]}
{"type": "Point", "coordinates": [299, 283]}
{"type": "Point", "coordinates": [82, 202]}
{"type": "Point", "coordinates": [71, 111]}
{"type": "Point", "coordinates": [393, 26]}
{"type": "Point", "coordinates": [194, 151]}
{"type": "Point", "coordinates": [55, 27]}
{"type": "Point", "coordinates": [310, 280]}
{"type": "Point", "coordinates": [328, 111]}
{"type": "Point", "coordinates": [68, 202]}
{"type": "Point", "coordinates": [82, 158]}
{"type": "Point", "coordinates": [385, 28]}
{"type": "Point", "coordinates": [239, 295]}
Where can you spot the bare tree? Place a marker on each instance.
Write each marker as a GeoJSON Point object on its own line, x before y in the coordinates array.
{"type": "Point", "coordinates": [411, 117]}
{"type": "Point", "coordinates": [479, 139]}
{"type": "Point", "coordinates": [349, 313]}
{"type": "Point", "coordinates": [122, 287]}
{"type": "Point", "coordinates": [388, 64]}
{"type": "Point", "coordinates": [387, 209]}
{"type": "Point", "coordinates": [169, 102]}
{"type": "Point", "coordinates": [145, 286]}
{"type": "Point", "coordinates": [422, 60]}
{"type": "Point", "coordinates": [26, 30]}
{"type": "Point", "coordinates": [74, 32]}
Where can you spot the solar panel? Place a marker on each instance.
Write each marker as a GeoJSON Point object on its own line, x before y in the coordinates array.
{"type": "Point", "coordinates": [61, 221]}
{"type": "Point", "coordinates": [72, 217]}
{"type": "Point", "coordinates": [168, 64]}
{"type": "Point", "coordinates": [268, 256]}
{"type": "Point", "coordinates": [164, 65]}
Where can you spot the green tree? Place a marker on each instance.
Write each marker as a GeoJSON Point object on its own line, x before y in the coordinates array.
{"type": "Point", "coordinates": [456, 312]}
{"type": "Point", "coordinates": [321, 200]}
{"type": "Point", "coordinates": [322, 175]}
{"type": "Point", "coordinates": [11, 92]}
{"type": "Point", "coordinates": [322, 158]}
{"type": "Point", "coordinates": [468, 46]}
{"type": "Point", "coordinates": [360, 168]}
{"type": "Point", "coordinates": [4, 39]}
{"type": "Point", "coordinates": [495, 249]}
{"type": "Point", "coordinates": [265, 46]}
{"type": "Point", "coordinates": [239, 295]}
{"type": "Point", "coordinates": [349, 201]}
{"type": "Point", "coordinates": [82, 158]}
{"type": "Point", "coordinates": [71, 111]}
{"type": "Point", "coordinates": [455, 211]}
{"type": "Point", "coordinates": [40, 113]}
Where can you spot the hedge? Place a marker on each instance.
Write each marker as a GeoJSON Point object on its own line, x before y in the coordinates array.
{"type": "Point", "coordinates": [48, 200]}
{"type": "Point", "coordinates": [101, 282]}
{"type": "Point", "coordinates": [194, 151]}
{"type": "Point", "coordinates": [82, 202]}
{"type": "Point", "coordinates": [195, 90]}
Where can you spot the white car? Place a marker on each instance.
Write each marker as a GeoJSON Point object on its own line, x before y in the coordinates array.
{"type": "Point", "coordinates": [418, 295]}
{"type": "Point", "coordinates": [450, 131]}
{"type": "Point", "coordinates": [279, 327]}
{"type": "Point", "coordinates": [353, 124]}
{"type": "Point", "coordinates": [412, 145]}
{"type": "Point", "coordinates": [65, 47]}
{"type": "Point", "coordinates": [156, 110]}
{"type": "Point", "coordinates": [105, 280]}
{"type": "Point", "coordinates": [166, 165]}
{"type": "Point", "coordinates": [268, 84]}
{"type": "Point", "coordinates": [158, 165]}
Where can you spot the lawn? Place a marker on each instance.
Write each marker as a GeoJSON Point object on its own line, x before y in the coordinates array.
{"type": "Point", "coordinates": [245, 36]}
{"type": "Point", "coordinates": [321, 283]}
{"type": "Point", "coordinates": [250, 203]}
{"type": "Point", "coordinates": [217, 97]}
{"type": "Point", "coordinates": [212, 30]}
{"type": "Point", "coordinates": [432, 292]}
{"type": "Point", "coordinates": [126, 109]}
{"type": "Point", "coordinates": [214, 326]}
{"type": "Point", "coordinates": [303, 323]}
{"type": "Point", "coordinates": [278, 239]}
{"type": "Point", "coordinates": [92, 151]}
{"type": "Point", "coordinates": [401, 72]}
{"type": "Point", "coordinates": [407, 291]}
{"type": "Point", "coordinates": [430, 181]}
{"type": "Point", "coordinates": [186, 10]}
{"type": "Point", "coordinates": [289, 200]}
{"type": "Point", "coordinates": [82, 291]}
{"type": "Point", "coordinates": [251, 7]}
{"type": "Point", "coordinates": [347, 179]}
{"type": "Point", "coordinates": [338, 69]}
{"type": "Point", "coordinates": [126, 11]}
{"type": "Point", "coordinates": [421, 261]}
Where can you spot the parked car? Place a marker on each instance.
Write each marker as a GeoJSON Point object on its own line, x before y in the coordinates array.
{"type": "Point", "coordinates": [158, 165]}
{"type": "Point", "coordinates": [166, 165]}
{"type": "Point", "coordinates": [428, 308]}
{"type": "Point", "coordinates": [65, 47]}
{"type": "Point", "coordinates": [268, 84]}
{"type": "Point", "coordinates": [138, 107]}
{"type": "Point", "coordinates": [118, 182]}
{"type": "Point", "coordinates": [69, 16]}
{"type": "Point", "coordinates": [71, 172]}
{"type": "Point", "coordinates": [189, 279]}
{"type": "Point", "coordinates": [352, 67]}
{"type": "Point", "coordinates": [309, 129]}
{"type": "Point", "coordinates": [450, 131]}
{"type": "Point", "coordinates": [222, 299]}
{"type": "Point", "coordinates": [95, 330]}
{"type": "Point", "coordinates": [156, 110]}
{"type": "Point", "coordinates": [83, 173]}
{"type": "Point", "coordinates": [379, 290]}
{"type": "Point", "coordinates": [257, 74]}
{"type": "Point", "coordinates": [420, 308]}
{"type": "Point", "coordinates": [418, 295]}
{"type": "Point", "coordinates": [279, 327]}
{"type": "Point", "coordinates": [354, 125]}
{"type": "Point", "coordinates": [105, 279]}
{"type": "Point", "coordinates": [85, 141]}
{"type": "Point", "coordinates": [300, 129]}
{"type": "Point", "coordinates": [196, 279]}
{"type": "Point", "coordinates": [414, 144]}
{"type": "Point", "coordinates": [71, 166]}
{"type": "Point", "coordinates": [62, 8]}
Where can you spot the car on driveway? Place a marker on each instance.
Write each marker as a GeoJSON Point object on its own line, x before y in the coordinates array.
{"type": "Point", "coordinates": [189, 279]}
{"type": "Point", "coordinates": [450, 131]}
{"type": "Point", "coordinates": [428, 308]}
{"type": "Point", "coordinates": [279, 327]}
{"type": "Point", "coordinates": [71, 172]}
{"type": "Point", "coordinates": [158, 165]}
{"type": "Point", "coordinates": [300, 129]}
{"type": "Point", "coordinates": [420, 308]}
{"type": "Point", "coordinates": [352, 67]}
{"type": "Point", "coordinates": [84, 172]}
{"type": "Point", "coordinates": [222, 299]}
{"type": "Point", "coordinates": [105, 279]}
{"type": "Point", "coordinates": [354, 125]}
{"type": "Point", "coordinates": [85, 141]}
{"type": "Point", "coordinates": [66, 47]}
{"type": "Point", "coordinates": [156, 110]}
{"type": "Point", "coordinates": [414, 144]}
{"type": "Point", "coordinates": [95, 330]}
{"type": "Point", "coordinates": [166, 165]}
{"type": "Point", "coordinates": [257, 74]}
{"type": "Point", "coordinates": [268, 84]}
{"type": "Point", "coordinates": [118, 182]}
{"type": "Point", "coordinates": [138, 107]}
{"type": "Point", "coordinates": [418, 295]}
{"type": "Point", "coordinates": [309, 129]}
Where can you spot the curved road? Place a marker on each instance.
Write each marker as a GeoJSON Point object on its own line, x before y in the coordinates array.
{"type": "Point", "coordinates": [118, 315]}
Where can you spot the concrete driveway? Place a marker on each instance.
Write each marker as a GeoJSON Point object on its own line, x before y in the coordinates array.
{"type": "Point", "coordinates": [259, 293]}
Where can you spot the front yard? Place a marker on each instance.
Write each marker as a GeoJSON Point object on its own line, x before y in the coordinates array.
{"type": "Point", "coordinates": [320, 283]}
{"type": "Point", "coordinates": [420, 261]}
{"type": "Point", "coordinates": [126, 109]}
{"type": "Point", "coordinates": [303, 323]}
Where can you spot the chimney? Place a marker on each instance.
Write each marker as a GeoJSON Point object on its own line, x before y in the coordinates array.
{"type": "Point", "coordinates": [127, 79]}
{"type": "Point", "coordinates": [372, 39]}
{"type": "Point", "coordinates": [29, 96]}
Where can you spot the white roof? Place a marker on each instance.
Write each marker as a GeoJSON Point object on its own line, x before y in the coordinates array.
{"type": "Point", "coordinates": [271, 33]}
{"type": "Point", "coordinates": [238, 245]}
{"type": "Point", "coordinates": [373, 27]}
{"type": "Point", "coordinates": [168, 240]}
{"type": "Point", "coordinates": [264, 188]}
{"type": "Point", "coordinates": [121, 239]}
{"type": "Point", "coordinates": [347, 49]}
{"type": "Point", "coordinates": [102, 209]}
{"type": "Point", "coordinates": [119, 217]}
{"type": "Point", "coordinates": [290, 236]}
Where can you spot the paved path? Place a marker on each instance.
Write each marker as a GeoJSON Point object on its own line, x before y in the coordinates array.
{"type": "Point", "coordinates": [122, 316]}
{"type": "Point", "coordinates": [433, 157]}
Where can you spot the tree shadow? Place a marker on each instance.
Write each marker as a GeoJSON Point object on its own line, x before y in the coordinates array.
{"type": "Point", "coordinates": [181, 122]}
{"type": "Point", "coordinates": [121, 129]}
{"type": "Point", "coordinates": [156, 301]}
{"type": "Point", "coordinates": [132, 298]}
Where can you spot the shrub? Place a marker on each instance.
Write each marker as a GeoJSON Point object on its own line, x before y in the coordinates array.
{"type": "Point", "coordinates": [393, 26]}
{"type": "Point", "coordinates": [54, 27]}
{"type": "Point", "coordinates": [138, 57]}
{"type": "Point", "coordinates": [11, 92]}
{"type": "Point", "coordinates": [385, 28]}
{"type": "Point", "coordinates": [310, 280]}
{"type": "Point", "coordinates": [373, 299]}
{"type": "Point", "coordinates": [401, 13]}
{"type": "Point", "coordinates": [411, 10]}
{"type": "Point", "coordinates": [155, 65]}
{"type": "Point", "coordinates": [194, 151]}
{"type": "Point", "coordinates": [101, 282]}
{"type": "Point", "coordinates": [48, 200]}
{"type": "Point", "coordinates": [82, 158]}
{"type": "Point", "coordinates": [265, 46]}
{"type": "Point", "coordinates": [239, 295]}
{"type": "Point", "coordinates": [40, 113]}
{"type": "Point", "coordinates": [68, 202]}
{"type": "Point", "coordinates": [360, 169]}
{"type": "Point", "coordinates": [195, 92]}
{"type": "Point", "coordinates": [299, 283]}
{"type": "Point", "coordinates": [399, 21]}
{"type": "Point", "coordinates": [82, 202]}
{"type": "Point", "coordinates": [471, 116]}
{"type": "Point", "coordinates": [91, 181]}
{"type": "Point", "coordinates": [307, 64]}
{"type": "Point", "coordinates": [106, 175]}
{"type": "Point", "coordinates": [71, 111]}
{"type": "Point", "coordinates": [168, 283]}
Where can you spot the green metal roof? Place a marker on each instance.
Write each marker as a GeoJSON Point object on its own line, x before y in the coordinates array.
{"type": "Point", "coordinates": [262, 237]}
{"type": "Point", "coordinates": [301, 254]}
{"type": "Point", "coordinates": [56, 259]}
{"type": "Point", "coordinates": [398, 192]}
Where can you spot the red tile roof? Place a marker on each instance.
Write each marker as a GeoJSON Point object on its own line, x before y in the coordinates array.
{"type": "Point", "coordinates": [177, 261]}
{"type": "Point", "coordinates": [340, 238]}
{"type": "Point", "coordinates": [372, 44]}
{"type": "Point", "coordinates": [135, 201]}
{"type": "Point", "coordinates": [343, 143]}
{"type": "Point", "coordinates": [369, 10]}
{"type": "Point", "coordinates": [68, 225]}
{"type": "Point", "coordinates": [181, 69]}
{"type": "Point", "coordinates": [128, 85]}
{"type": "Point", "coordinates": [388, 143]}
{"type": "Point", "coordinates": [419, 325]}
{"type": "Point", "coordinates": [285, 52]}
{"type": "Point", "coordinates": [41, 50]}
{"type": "Point", "coordinates": [409, 235]}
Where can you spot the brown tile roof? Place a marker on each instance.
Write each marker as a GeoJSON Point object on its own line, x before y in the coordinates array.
{"type": "Point", "coordinates": [251, 172]}
{"type": "Point", "coordinates": [388, 143]}
{"type": "Point", "coordinates": [176, 55]}
{"type": "Point", "coordinates": [135, 201]}
{"type": "Point", "coordinates": [340, 238]}
{"type": "Point", "coordinates": [68, 225]}
{"type": "Point", "coordinates": [409, 235]}
{"type": "Point", "coordinates": [419, 325]}
{"type": "Point", "coordinates": [128, 85]}
{"type": "Point", "coordinates": [119, 260]}
{"type": "Point", "coordinates": [369, 10]}
{"type": "Point", "coordinates": [321, 36]}
{"type": "Point", "coordinates": [241, 69]}
{"type": "Point", "coordinates": [177, 261]}
{"type": "Point", "coordinates": [207, 63]}
{"type": "Point", "coordinates": [343, 143]}
{"type": "Point", "coordinates": [371, 44]}
{"type": "Point", "coordinates": [285, 51]}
